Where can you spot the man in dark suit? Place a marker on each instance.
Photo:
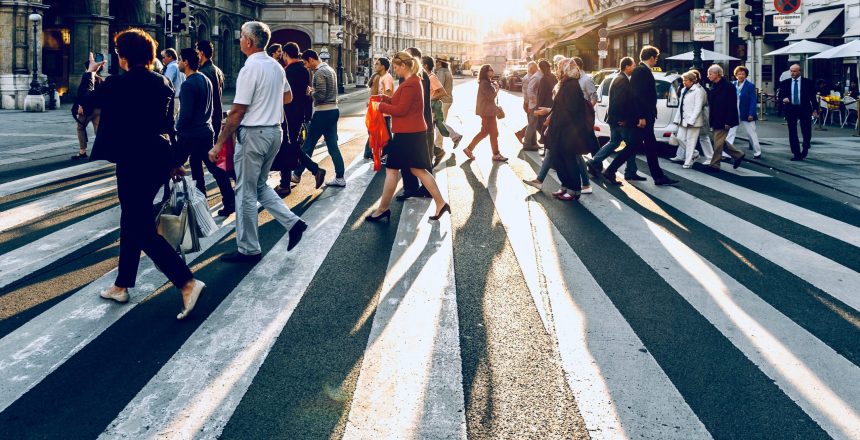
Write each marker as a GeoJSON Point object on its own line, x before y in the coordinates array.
{"type": "Point", "coordinates": [644, 103]}
{"type": "Point", "coordinates": [620, 118]}
{"type": "Point", "coordinates": [797, 95]}
{"type": "Point", "coordinates": [723, 104]}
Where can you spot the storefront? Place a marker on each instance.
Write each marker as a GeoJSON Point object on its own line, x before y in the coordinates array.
{"type": "Point", "coordinates": [665, 26]}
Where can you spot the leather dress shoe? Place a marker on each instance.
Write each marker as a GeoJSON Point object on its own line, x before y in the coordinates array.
{"type": "Point", "coordinates": [636, 177]}
{"type": "Point", "coordinates": [407, 195]}
{"type": "Point", "coordinates": [665, 181]}
{"type": "Point", "coordinates": [610, 178]}
{"type": "Point", "coordinates": [296, 234]}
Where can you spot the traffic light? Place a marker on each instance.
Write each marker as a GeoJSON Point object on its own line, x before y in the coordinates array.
{"type": "Point", "coordinates": [177, 24]}
{"type": "Point", "coordinates": [755, 16]}
{"type": "Point", "coordinates": [743, 21]}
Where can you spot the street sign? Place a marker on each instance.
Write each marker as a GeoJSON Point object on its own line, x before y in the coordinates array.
{"type": "Point", "coordinates": [324, 55]}
{"type": "Point", "coordinates": [602, 33]}
{"type": "Point", "coordinates": [335, 34]}
{"type": "Point", "coordinates": [703, 24]}
{"type": "Point", "coordinates": [602, 54]}
{"type": "Point", "coordinates": [602, 45]}
{"type": "Point", "coordinates": [785, 30]}
{"type": "Point", "coordinates": [786, 6]}
{"type": "Point", "coordinates": [786, 20]}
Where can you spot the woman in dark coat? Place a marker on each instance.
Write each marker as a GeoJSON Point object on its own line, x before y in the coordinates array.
{"type": "Point", "coordinates": [569, 135]}
{"type": "Point", "coordinates": [485, 107]}
{"type": "Point", "coordinates": [135, 133]}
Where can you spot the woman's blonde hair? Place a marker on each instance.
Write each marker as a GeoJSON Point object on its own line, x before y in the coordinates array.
{"type": "Point", "coordinates": [408, 60]}
{"type": "Point", "coordinates": [691, 76]}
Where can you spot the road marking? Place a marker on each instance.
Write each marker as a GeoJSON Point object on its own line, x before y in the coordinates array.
{"type": "Point", "coordinates": [197, 390]}
{"type": "Point", "coordinates": [600, 352]}
{"type": "Point", "coordinates": [816, 377]}
{"type": "Point", "coordinates": [410, 384]}
{"type": "Point", "coordinates": [46, 205]}
{"type": "Point", "coordinates": [38, 180]}
{"type": "Point", "coordinates": [833, 278]}
{"type": "Point", "coordinates": [821, 223]}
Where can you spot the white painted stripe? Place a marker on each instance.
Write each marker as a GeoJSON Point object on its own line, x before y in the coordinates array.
{"type": "Point", "coordinates": [197, 390]}
{"type": "Point", "coordinates": [37, 348]}
{"type": "Point", "coordinates": [39, 135]}
{"type": "Point", "coordinates": [824, 273]}
{"type": "Point", "coordinates": [37, 255]}
{"type": "Point", "coordinates": [600, 352]}
{"type": "Point", "coordinates": [38, 180]}
{"type": "Point", "coordinates": [20, 215]}
{"type": "Point", "coordinates": [41, 148]}
{"type": "Point", "coordinates": [816, 377]}
{"type": "Point", "coordinates": [802, 216]}
{"type": "Point", "coordinates": [410, 384]}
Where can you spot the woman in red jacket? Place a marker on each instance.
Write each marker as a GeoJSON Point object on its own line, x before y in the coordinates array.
{"type": "Point", "coordinates": [407, 148]}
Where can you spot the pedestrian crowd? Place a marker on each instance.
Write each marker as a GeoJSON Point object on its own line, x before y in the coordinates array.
{"type": "Point", "coordinates": [157, 116]}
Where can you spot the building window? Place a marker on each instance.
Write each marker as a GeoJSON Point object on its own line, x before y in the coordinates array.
{"type": "Point", "coordinates": [646, 38]}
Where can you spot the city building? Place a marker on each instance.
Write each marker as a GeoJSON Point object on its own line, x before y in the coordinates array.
{"type": "Point", "coordinates": [445, 28]}
{"type": "Point", "coordinates": [393, 26]}
{"type": "Point", "coordinates": [510, 46]}
{"type": "Point", "coordinates": [70, 29]}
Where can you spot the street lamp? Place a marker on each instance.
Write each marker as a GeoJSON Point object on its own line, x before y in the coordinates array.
{"type": "Point", "coordinates": [34, 84]}
{"type": "Point", "coordinates": [340, 88]}
{"type": "Point", "coordinates": [431, 37]}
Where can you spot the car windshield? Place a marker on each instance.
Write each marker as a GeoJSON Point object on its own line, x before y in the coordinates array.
{"type": "Point", "coordinates": [665, 89]}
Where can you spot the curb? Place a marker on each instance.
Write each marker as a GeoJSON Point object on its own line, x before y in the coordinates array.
{"type": "Point", "coordinates": [794, 174]}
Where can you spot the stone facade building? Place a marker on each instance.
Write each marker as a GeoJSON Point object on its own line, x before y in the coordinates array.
{"type": "Point", "coordinates": [70, 29]}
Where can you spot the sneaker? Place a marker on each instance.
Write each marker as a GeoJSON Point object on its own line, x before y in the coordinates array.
{"type": "Point", "coordinates": [677, 159]}
{"type": "Point", "coordinates": [295, 178]}
{"type": "Point", "coordinates": [586, 190]}
{"type": "Point", "coordinates": [120, 297]}
{"type": "Point", "coordinates": [457, 141]}
{"type": "Point", "coordinates": [687, 165]}
{"type": "Point", "coordinates": [339, 182]}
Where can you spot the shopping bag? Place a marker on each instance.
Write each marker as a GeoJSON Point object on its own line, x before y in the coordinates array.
{"type": "Point", "coordinates": [201, 215]}
{"type": "Point", "coordinates": [225, 156]}
{"type": "Point", "coordinates": [174, 221]}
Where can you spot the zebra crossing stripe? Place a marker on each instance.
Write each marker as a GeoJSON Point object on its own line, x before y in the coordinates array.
{"type": "Point", "coordinates": [196, 392]}
{"type": "Point", "coordinates": [811, 373]}
{"type": "Point", "coordinates": [823, 273]}
{"type": "Point", "coordinates": [821, 223]}
{"type": "Point", "coordinates": [38, 180]}
{"type": "Point", "coordinates": [410, 384]}
{"type": "Point", "coordinates": [20, 215]}
{"type": "Point", "coordinates": [600, 352]}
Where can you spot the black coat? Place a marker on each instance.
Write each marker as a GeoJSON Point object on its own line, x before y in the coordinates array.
{"type": "Point", "coordinates": [620, 102]}
{"type": "Point", "coordinates": [82, 90]}
{"type": "Point", "coordinates": [808, 98]}
{"type": "Point", "coordinates": [302, 105]}
{"type": "Point", "coordinates": [569, 132]}
{"type": "Point", "coordinates": [644, 93]}
{"type": "Point", "coordinates": [723, 101]}
{"type": "Point", "coordinates": [136, 126]}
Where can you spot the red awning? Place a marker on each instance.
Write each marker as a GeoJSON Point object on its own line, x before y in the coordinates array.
{"type": "Point", "coordinates": [649, 15]}
{"type": "Point", "coordinates": [579, 33]}
{"type": "Point", "coordinates": [537, 48]}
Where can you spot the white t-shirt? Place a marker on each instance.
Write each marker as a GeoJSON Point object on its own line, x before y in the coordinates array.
{"type": "Point", "coordinates": [261, 85]}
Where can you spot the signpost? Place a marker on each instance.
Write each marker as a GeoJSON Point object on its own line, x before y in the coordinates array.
{"type": "Point", "coordinates": [703, 25]}
{"type": "Point", "coordinates": [786, 20]}
{"type": "Point", "coordinates": [602, 46]}
{"type": "Point", "coordinates": [786, 6]}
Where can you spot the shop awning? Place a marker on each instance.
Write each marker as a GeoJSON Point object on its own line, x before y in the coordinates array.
{"type": "Point", "coordinates": [579, 33]}
{"type": "Point", "coordinates": [536, 48]}
{"type": "Point", "coordinates": [854, 30]}
{"type": "Point", "coordinates": [649, 15]}
{"type": "Point", "coordinates": [814, 24]}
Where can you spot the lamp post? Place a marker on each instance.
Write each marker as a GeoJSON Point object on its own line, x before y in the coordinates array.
{"type": "Point", "coordinates": [340, 88]}
{"type": "Point", "coordinates": [431, 37]}
{"type": "Point", "coordinates": [34, 84]}
{"type": "Point", "coordinates": [397, 28]}
{"type": "Point", "coordinates": [388, 27]}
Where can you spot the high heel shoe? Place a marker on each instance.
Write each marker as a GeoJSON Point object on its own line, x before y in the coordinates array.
{"type": "Point", "coordinates": [385, 215]}
{"type": "Point", "coordinates": [442, 212]}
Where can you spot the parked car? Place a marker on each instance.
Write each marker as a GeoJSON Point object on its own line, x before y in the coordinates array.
{"type": "Point", "coordinates": [476, 68]}
{"type": "Point", "coordinates": [512, 78]}
{"type": "Point", "coordinates": [600, 75]}
{"type": "Point", "coordinates": [668, 86]}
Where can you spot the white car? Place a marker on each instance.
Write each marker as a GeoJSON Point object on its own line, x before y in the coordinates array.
{"type": "Point", "coordinates": [667, 84]}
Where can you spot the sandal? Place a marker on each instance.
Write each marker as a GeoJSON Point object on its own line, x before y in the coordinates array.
{"type": "Point", "coordinates": [500, 158]}
{"type": "Point", "coordinates": [560, 191]}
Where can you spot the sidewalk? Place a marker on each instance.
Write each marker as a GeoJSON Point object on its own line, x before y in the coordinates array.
{"type": "Point", "coordinates": [833, 161]}
{"type": "Point", "coordinates": [29, 139]}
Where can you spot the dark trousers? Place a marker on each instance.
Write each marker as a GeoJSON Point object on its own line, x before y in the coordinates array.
{"type": "Point", "coordinates": [644, 141]}
{"type": "Point", "coordinates": [410, 182]}
{"type": "Point", "coordinates": [199, 149]}
{"type": "Point", "coordinates": [293, 142]}
{"type": "Point", "coordinates": [567, 165]}
{"type": "Point", "coordinates": [324, 124]}
{"type": "Point", "coordinates": [137, 186]}
{"type": "Point", "coordinates": [793, 115]}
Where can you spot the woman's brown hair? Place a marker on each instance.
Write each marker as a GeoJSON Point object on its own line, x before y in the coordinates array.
{"type": "Point", "coordinates": [136, 46]}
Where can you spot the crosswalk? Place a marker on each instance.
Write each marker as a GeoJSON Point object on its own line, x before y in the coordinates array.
{"type": "Point", "coordinates": [717, 309]}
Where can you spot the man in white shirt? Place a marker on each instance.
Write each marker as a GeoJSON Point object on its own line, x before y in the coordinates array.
{"type": "Point", "coordinates": [172, 72]}
{"type": "Point", "coordinates": [256, 115]}
{"type": "Point", "coordinates": [530, 88]}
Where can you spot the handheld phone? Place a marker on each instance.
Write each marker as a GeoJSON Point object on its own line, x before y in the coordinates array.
{"type": "Point", "coordinates": [99, 57]}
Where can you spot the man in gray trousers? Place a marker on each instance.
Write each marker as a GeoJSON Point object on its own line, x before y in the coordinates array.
{"type": "Point", "coordinates": [256, 115]}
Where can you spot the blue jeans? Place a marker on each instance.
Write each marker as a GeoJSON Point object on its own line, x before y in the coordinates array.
{"type": "Point", "coordinates": [547, 164]}
{"type": "Point", "coordinates": [324, 124]}
{"type": "Point", "coordinates": [616, 135]}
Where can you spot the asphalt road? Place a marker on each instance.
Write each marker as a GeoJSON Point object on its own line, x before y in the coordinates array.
{"type": "Point", "coordinates": [724, 308]}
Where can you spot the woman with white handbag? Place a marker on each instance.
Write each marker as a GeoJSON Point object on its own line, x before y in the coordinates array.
{"type": "Point", "coordinates": [690, 118]}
